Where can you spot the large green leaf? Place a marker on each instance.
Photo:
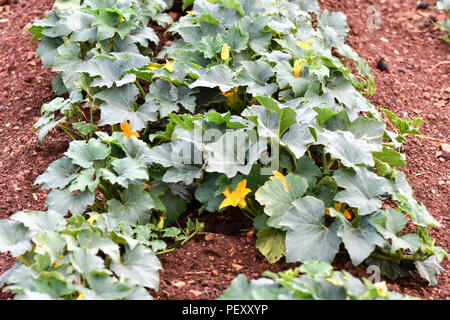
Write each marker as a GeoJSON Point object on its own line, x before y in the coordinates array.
{"type": "Point", "coordinates": [216, 76]}
{"type": "Point", "coordinates": [136, 208]}
{"type": "Point", "coordinates": [14, 237]}
{"type": "Point", "coordinates": [362, 189]}
{"type": "Point", "coordinates": [107, 288]}
{"type": "Point", "coordinates": [128, 171]}
{"type": "Point", "coordinates": [270, 242]}
{"type": "Point", "coordinates": [255, 75]}
{"type": "Point", "coordinates": [390, 225]}
{"type": "Point", "coordinates": [118, 108]}
{"type": "Point", "coordinates": [359, 241]}
{"type": "Point", "coordinates": [84, 262]}
{"type": "Point", "coordinates": [111, 70]}
{"type": "Point", "coordinates": [286, 78]}
{"type": "Point", "coordinates": [40, 221]}
{"type": "Point", "coordinates": [277, 200]}
{"type": "Point", "coordinates": [169, 98]}
{"type": "Point", "coordinates": [343, 145]}
{"type": "Point", "coordinates": [63, 201]}
{"type": "Point", "coordinates": [140, 265]}
{"type": "Point", "coordinates": [307, 237]}
{"type": "Point", "coordinates": [85, 153]}
{"type": "Point", "coordinates": [58, 175]}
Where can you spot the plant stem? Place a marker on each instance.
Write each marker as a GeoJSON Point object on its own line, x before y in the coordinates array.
{"type": "Point", "coordinates": [141, 90]}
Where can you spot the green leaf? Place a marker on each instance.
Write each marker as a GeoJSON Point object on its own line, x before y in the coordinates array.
{"type": "Point", "coordinates": [129, 171]}
{"type": "Point", "coordinates": [84, 262]}
{"type": "Point", "coordinates": [169, 98]}
{"type": "Point", "coordinates": [217, 76]}
{"type": "Point", "coordinates": [64, 200]}
{"type": "Point", "coordinates": [14, 237]}
{"type": "Point", "coordinates": [429, 269]}
{"type": "Point", "coordinates": [118, 108]}
{"type": "Point", "coordinates": [346, 147]}
{"type": "Point", "coordinates": [40, 222]}
{"type": "Point", "coordinates": [140, 265]}
{"type": "Point", "coordinates": [136, 208]}
{"type": "Point", "coordinates": [85, 180]}
{"type": "Point", "coordinates": [85, 153]}
{"type": "Point", "coordinates": [111, 70]}
{"type": "Point", "coordinates": [362, 189]}
{"type": "Point", "coordinates": [307, 237]}
{"type": "Point", "coordinates": [255, 75]}
{"type": "Point", "coordinates": [297, 139]}
{"type": "Point", "coordinates": [210, 46]}
{"type": "Point", "coordinates": [359, 241]}
{"type": "Point", "coordinates": [261, 289]}
{"type": "Point", "coordinates": [390, 225]}
{"type": "Point", "coordinates": [50, 242]}
{"type": "Point", "coordinates": [270, 242]}
{"type": "Point", "coordinates": [286, 78]}
{"type": "Point", "coordinates": [277, 200]}
{"type": "Point", "coordinates": [58, 175]}
{"type": "Point", "coordinates": [307, 168]}
{"type": "Point", "coordinates": [317, 269]}
{"type": "Point", "coordinates": [106, 287]}
{"type": "Point", "coordinates": [84, 128]}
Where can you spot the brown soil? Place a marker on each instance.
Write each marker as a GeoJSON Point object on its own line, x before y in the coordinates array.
{"type": "Point", "coordinates": [205, 266]}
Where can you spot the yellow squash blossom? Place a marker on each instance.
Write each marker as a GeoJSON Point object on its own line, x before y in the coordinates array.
{"type": "Point", "coordinates": [334, 281]}
{"type": "Point", "coordinates": [282, 178]}
{"type": "Point", "coordinates": [299, 64]}
{"type": "Point", "coordinates": [126, 131]}
{"type": "Point", "coordinates": [338, 207]}
{"type": "Point", "coordinates": [190, 13]}
{"type": "Point", "coordinates": [225, 54]}
{"type": "Point", "coordinates": [231, 95]}
{"type": "Point", "coordinates": [237, 197]}
{"type": "Point", "coordinates": [381, 288]}
{"type": "Point", "coordinates": [92, 219]}
{"type": "Point", "coordinates": [55, 265]}
{"type": "Point", "coordinates": [169, 66]}
{"type": "Point", "coordinates": [80, 297]}
{"type": "Point", "coordinates": [304, 45]}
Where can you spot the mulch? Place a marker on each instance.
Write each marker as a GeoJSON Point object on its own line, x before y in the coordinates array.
{"type": "Point", "coordinates": [413, 84]}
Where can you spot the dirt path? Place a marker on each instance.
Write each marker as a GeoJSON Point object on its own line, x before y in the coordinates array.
{"type": "Point", "coordinates": [204, 267]}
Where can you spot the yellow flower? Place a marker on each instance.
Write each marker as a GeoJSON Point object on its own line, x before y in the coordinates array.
{"type": "Point", "coordinates": [92, 219]}
{"type": "Point", "coordinates": [299, 64]}
{"type": "Point", "coordinates": [225, 54]}
{"type": "Point", "coordinates": [237, 197]}
{"type": "Point", "coordinates": [190, 13]}
{"type": "Point", "coordinates": [381, 288]}
{"type": "Point", "coordinates": [80, 297]}
{"type": "Point", "coordinates": [347, 214]}
{"type": "Point", "coordinates": [304, 45]}
{"type": "Point", "coordinates": [126, 131]}
{"type": "Point", "coordinates": [55, 265]}
{"type": "Point", "coordinates": [169, 66]}
{"type": "Point", "coordinates": [69, 226]}
{"type": "Point", "coordinates": [231, 95]}
{"type": "Point", "coordinates": [282, 178]}
{"type": "Point", "coordinates": [334, 281]}
{"type": "Point", "coordinates": [147, 187]}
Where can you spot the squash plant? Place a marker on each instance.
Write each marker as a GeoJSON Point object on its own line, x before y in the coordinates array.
{"type": "Point", "coordinates": [254, 105]}
{"type": "Point", "coordinates": [314, 280]}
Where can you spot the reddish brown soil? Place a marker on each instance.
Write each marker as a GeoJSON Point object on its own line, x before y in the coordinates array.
{"type": "Point", "coordinates": [205, 266]}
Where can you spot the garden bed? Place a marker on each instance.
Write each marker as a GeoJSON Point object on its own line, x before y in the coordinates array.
{"type": "Point", "coordinates": [204, 267]}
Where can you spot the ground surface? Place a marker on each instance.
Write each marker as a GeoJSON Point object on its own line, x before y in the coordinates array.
{"type": "Point", "coordinates": [205, 266]}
